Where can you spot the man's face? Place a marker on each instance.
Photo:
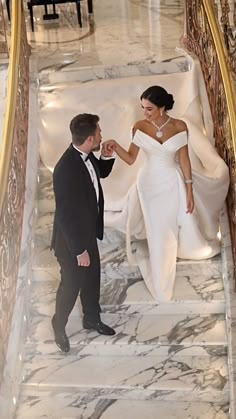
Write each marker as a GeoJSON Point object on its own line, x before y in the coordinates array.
{"type": "Point", "coordinates": [97, 138]}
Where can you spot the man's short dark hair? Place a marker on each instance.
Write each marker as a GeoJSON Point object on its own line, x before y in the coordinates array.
{"type": "Point", "coordinates": [82, 126]}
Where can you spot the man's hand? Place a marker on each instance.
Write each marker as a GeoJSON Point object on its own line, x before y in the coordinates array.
{"type": "Point", "coordinates": [108, 148]}
{"type": "Point", "coordinates": [84, 259]}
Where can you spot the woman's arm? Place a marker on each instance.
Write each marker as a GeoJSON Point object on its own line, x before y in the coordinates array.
{"type": "Point", "coordinates": [128, 157]}
{"type": "Point", "coordinates": [187, 173]}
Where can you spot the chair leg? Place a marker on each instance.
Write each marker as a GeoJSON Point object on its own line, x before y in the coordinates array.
{"type": "Point", "coordinates": [90, 6]}
{"type": "Point", "coordinates": [79, 13]}
{"type": "Point", "coordinates": [8, 9]}
{"type": "Point", "coordinates": [30, 7]}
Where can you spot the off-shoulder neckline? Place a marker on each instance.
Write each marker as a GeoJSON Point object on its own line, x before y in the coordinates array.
{"type": "Point", "coordinates": [158, 142]}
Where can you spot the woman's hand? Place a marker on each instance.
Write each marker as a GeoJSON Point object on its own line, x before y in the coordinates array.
{"type": "Point", "coordinates": [108, 147]}
{"type": "Point", "coordinates": [129, 157]}
{"type": "Point", "coordinates": [190, 202]}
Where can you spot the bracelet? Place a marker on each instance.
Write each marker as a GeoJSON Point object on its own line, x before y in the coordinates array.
{"type": "Point", "coordinates": [188, 181]}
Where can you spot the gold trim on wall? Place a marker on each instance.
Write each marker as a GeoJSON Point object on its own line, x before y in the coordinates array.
{"type": "Point", "coordinates": [13, 156]}
{"type": "Point", "coordinates": [9, 121]}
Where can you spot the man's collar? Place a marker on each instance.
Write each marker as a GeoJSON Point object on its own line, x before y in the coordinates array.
{"type": "Point", "coordinates": [82, 153]}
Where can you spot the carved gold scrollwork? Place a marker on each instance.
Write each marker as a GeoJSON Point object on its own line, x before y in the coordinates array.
{"type": "Point", "coordinates": [13, 200]}
{"type": "Point", "coordinates": [3, 36]}
{"type": "Point", "coordinates": [227, 19]}
{"type": "Point", "coordinates": [200, 40]}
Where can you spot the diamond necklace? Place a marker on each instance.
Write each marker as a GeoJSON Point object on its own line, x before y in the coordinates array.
{"type": "Point", "coordinates": [159, 133]}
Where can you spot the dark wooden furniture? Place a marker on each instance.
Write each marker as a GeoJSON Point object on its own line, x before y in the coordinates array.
{"type": "Point", "coordinates": [54, 15]}
{"type": "Point", "coordinates": [90, 6]}
{"type": "Point", "coordinates": [8, 9]}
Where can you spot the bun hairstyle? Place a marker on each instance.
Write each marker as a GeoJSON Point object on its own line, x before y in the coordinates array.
{"type": "Point", "coordinates": [159, 97]}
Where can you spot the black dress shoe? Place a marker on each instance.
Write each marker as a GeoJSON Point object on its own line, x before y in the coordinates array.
{"type": "Point", "coordinates": [61, 339]}
{"type": "Point", "coordinates": [99, 326]}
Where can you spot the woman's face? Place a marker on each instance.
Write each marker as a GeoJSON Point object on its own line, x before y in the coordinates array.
{"type": "Point", "coordinates": [150, 111]}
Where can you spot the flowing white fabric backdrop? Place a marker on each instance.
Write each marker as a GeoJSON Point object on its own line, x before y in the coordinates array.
{"type": "Point", "coordinates": [117, 103]}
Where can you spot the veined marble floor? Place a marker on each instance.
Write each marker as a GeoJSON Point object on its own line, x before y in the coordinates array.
{"type": "Point", "coordinates": [119, 32]}
{"type": "Point", "coordinates": [166, 360]}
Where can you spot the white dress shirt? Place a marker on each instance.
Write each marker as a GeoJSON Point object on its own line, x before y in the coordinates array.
{"type": "Point", "coordinates": [92, 173]}
{"type": "Point", "coordinates": [91, 170]}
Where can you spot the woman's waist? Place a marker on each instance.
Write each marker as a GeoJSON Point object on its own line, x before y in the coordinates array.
{"type": "Point", "coordinates": [163, 160]}
{"type": "Point", "coordinates": [158, 175]}
{"type": "Point", "coordinates": [156, 165]}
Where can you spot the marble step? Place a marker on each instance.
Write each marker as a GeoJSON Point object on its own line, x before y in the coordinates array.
{"type": "Point", "coordinates": [44, 225]}
{"type": "Point", "coordinates": [114, 263]}
{"type": "Point", "coordinates": [173, 377]}
{"type": "Point", "coordinates": [192, 294]}
{"type": "Point", "coordinates": [112, 243]}
{"type": "Point", "coordinates": [51, 405]}
{"type": "Point", "coordinates": [97, 348]}
{"type": "Point", "coordinates": [138, 333]}
{"type": "Point", "coordinates": [72, 72]}
{"type": "Point", "coordinates": [112, 249]}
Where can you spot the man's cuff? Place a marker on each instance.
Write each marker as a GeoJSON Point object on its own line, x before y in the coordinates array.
{"type": "Point", "coordinates": [81, 254]}
{"type": "Point", "coordinates": [108, 158]}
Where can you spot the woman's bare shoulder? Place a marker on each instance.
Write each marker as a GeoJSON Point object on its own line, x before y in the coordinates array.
{"type": "Point", "coordinates": [180, 125]}
{"type": "Point", "coordinates": [139, 125]}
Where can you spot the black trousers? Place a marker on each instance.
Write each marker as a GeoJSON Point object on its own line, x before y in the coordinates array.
{"type": "Point", "coordinates": [78, 279]}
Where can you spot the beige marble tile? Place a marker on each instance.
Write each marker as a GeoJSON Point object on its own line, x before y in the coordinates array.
{"type": "Point", "coordinates": [118, 32]}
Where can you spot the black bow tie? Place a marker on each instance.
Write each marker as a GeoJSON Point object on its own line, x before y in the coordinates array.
{"type": "Point", "coordinates": [86, 158]}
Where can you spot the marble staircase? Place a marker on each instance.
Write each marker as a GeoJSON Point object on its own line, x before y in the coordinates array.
{"type": "Point", "coordinates": [165, 361]}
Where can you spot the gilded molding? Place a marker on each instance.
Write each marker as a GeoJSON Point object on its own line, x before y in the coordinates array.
{"type": "Point", "coordinates": [12, 171]}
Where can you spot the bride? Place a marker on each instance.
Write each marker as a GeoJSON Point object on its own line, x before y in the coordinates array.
{"type": "Point", "coordinates": [159, 209]}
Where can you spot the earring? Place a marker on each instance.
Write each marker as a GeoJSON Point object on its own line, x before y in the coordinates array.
{"type": "Point", "coordinates": [161, 112]}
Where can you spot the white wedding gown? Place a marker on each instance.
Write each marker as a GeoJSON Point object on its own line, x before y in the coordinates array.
{"type": "Point", "coordinates": [154, 210]}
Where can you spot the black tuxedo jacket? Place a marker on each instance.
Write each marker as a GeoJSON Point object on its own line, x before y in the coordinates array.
{"type": "Point", "coordinates": [78, 216]}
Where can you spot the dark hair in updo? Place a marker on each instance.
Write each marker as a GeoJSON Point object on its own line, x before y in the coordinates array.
{"type": "Point", "coordinates": [159, 97]}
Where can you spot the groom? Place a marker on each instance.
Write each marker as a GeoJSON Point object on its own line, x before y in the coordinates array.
{"type": "Point", "coordinates": [77, 225]}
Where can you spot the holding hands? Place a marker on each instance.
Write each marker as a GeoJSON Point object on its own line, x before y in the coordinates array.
{"type": "Point", "coordinates": [108, 148]}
